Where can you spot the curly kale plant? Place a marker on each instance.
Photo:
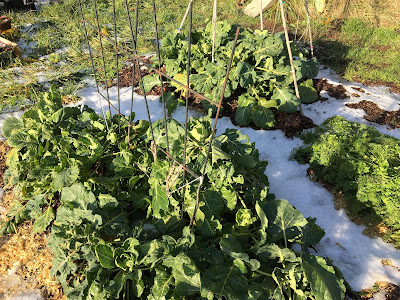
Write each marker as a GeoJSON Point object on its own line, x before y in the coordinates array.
{"type": "Point", "coordinates": [361, 162]}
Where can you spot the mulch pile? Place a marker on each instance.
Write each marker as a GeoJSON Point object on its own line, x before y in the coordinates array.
{"type": "Point", "coordinates": [335, 91]}
{"type": "Point", "coordinates": [377, 115]}
{"type": "Point", "coordinates": [125, 76]}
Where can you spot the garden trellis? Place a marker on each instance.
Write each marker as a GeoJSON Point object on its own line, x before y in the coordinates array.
{"type": "Point", "coordinates": [137, 60]}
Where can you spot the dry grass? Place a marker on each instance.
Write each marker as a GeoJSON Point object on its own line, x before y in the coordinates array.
{"type": "Point", "coordinates": [25, 263]}
{"type": "Point", "coordinates": [381, 13]}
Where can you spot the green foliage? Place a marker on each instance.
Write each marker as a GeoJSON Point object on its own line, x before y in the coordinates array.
{"type": "Point", "coordinates": [361, 50]}
{"type": "Point", "coordinates": [120, 223]}
{"type": "Point", "coordinates": [363, 163]}
{"type": "Point", "coordinates": [260, 77]}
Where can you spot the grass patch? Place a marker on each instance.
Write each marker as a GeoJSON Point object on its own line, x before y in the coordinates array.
{"type": "Point", "coordinates": [360, 51]}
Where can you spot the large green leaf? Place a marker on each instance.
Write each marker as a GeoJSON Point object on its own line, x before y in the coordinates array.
{"type": "Point", "coordinates": [106, 200]}
{"type": "Point", "coordinates": [312, 234]}
{"type": "Point", "coordinates": [150, 81]}
{"type": "Point", "coordinates": [263, 218]}
{"type": "Point", "coordinates": [286, 99]}
{"type": "Point", "coordinates": [308, 94]}
{"type": "Point", "coordinates": [65, 178]}
{"type": "Point", "coordinates": [171, 102]}
{"type": "Point", "coordinates": [283, 219]}
{"type": "Point", "coordinates": [271, 46]}
{"type": "Point", "coordinates": [211, 203]}
{"type": "Point", "coordinates": [263, 117]}
{"type": "Point", "coordinates": [208, 226]}
{"type": "Point", "coordinates": [230, 196]}
{"type": "Point", "coordinates": [246, 74]}
{"type": "Point", "coordinates": [216, 150]}
{"type": "Point", "coordinates": [226, 281]}
{"type": "Point", "coordinates": [162, 282]}
{"type": "Point", "coordinates": [18, 139]}
{"type": "Point", "coordinates": [159, 201]}
{"type": "Point", "coordinates": [310, 68]}
{"type": "Point", "coordinates": [105, 255]}
{"type": "Point", "coordinates": [43, 220]}
{"type": "Point", "coordinates": [77, 196]}
{"type": "Point", "coordinates": [10, 125]}
{"type": "Point", "coordinates": [243, 111]}
{"type": "Point", "coordinates": [273, 251]}
{"type": "Point", "coordinates": [324, 283]}
{"type": "Point", "coordinates": [186, 276]}
{"type": "Point", "coordinates": [34, 206]}
{"type": "Point", "coordinates": [175, 132]}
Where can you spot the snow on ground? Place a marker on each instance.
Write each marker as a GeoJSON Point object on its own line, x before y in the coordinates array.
{"type": "Point", "coordinates": [357, 256]}
{"type": "Point", "coordinates": [381, 95]}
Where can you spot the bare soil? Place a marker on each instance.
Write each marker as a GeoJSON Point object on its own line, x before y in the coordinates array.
{"type": "Point", "coordinates": [125, 76]}
{"type": "Point", "coordinates": [335, 91]}
{"type": "Point", "coordinates": [377, 115]}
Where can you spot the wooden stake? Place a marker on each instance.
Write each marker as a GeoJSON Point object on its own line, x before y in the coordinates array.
{"type": "Point", "coordinates": [309, 28]}
{"type": "Point", "coordinates": [261, 17]}
{"type": "Point", "coordinates": [184, 17]}
{"type": "Point", "coordinates": [296, 88]}
{"type": "Point", "coordinates": [214, 24]}
{"type": "Point", "coordinates": [17, 51]}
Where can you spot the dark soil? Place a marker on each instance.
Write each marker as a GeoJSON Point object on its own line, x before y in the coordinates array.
{"type": "Point", "coordinates": [358, 89]}
{"type": "Point", "coordinates": [377, 115]}
{"type": "Point", "coordinates": [335, 91]}
{"type": "Point", "coordinates": [290, 124]}
{"type": "Point", "coordinates": [394, 88]}
{"type": "Point", "coordinates": [125, 76]}
{"type": "Point", "coordinates": [4, 149]}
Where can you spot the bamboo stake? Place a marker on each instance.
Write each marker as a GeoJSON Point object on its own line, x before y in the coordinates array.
{"type": "Point", "coordinates": [296, 88]}
{"type": "Point", "coordinates": [214, 23]}
{"type": "Point", "coordinates": [309, 28]}
{"type": "Point", "coordinates": [276, 18]}
{"type": "Point", "coordinates": [261, 17]}
{"type": "Point", "coordinates": [184, 17]}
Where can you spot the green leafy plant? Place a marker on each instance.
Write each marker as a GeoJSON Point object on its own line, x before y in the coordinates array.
{"type": "Point", "coordinates": [120, 212]}
{"type": "Point", "coordinates": [361, 162]}
{"type": "Point", "coordinates": [260, 77]}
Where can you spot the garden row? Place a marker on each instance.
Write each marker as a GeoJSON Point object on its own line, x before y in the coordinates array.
{"type": "Point", "coordinates": [119, 220]}
{"type": "Point", "coordinates": [260, 80]}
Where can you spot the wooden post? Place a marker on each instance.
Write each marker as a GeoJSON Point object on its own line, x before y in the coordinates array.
{"type": "Point", "coordinates": [214, 24]}
{"type": "Point", "coordinates": [184, 18]}
{"type": "Point", "coordinates": [261, 17]}
{"type": "Point", "coordinates": [309, 28]}
{"type": "Point", "coordinates": [17, 51]}
{"type": "Point", "coordinates": [296, 88]}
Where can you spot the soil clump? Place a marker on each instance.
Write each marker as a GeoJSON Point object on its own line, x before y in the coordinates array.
{"type": "Point", "coordinates": [377, 115]}
{"type": "Point", "coordinates": [335, 91]}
